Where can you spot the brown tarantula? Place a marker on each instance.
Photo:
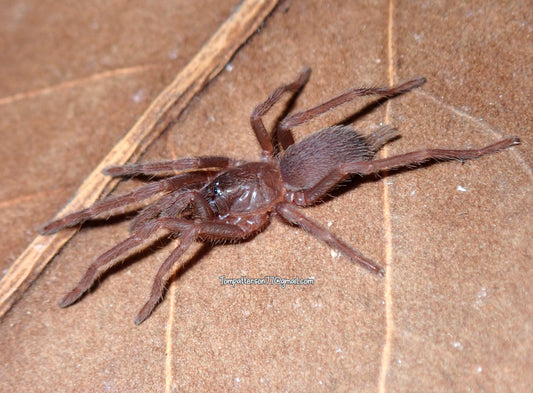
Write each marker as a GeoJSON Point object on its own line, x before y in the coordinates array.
{"type": "Point", "coordinates": [217, 198]}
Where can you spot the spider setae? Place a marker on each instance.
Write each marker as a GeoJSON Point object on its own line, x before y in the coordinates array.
{"type": "Point", "coordinates": [215, 199]}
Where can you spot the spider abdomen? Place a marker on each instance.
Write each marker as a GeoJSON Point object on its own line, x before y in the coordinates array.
{"type": "Point", "coordinates": [307, 162]}
{"type": "Point", "coordinates": [250, 187]}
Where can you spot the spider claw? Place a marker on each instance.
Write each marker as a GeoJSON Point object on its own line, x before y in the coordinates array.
{"type": "Point", "coordinates": [513, 140]}
{"type": "Point", "coordinates": [409, 85]}
{"type": "Point", "coordinates": [420, 80]}
{"type": "Point", "coordinates": [304, 76]}
{"type": "Point", "coordinates": [69, 299]}
{"type": "Point", "coordinates": [68, 221]}
{"type": "Point", "coordinates": [111, 171]}
{"type": "Point", "coordinates": [144, 312]}
{"type": "Point", "coordinates": [51, 227]}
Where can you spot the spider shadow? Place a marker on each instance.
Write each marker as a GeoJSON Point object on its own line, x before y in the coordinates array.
{"type": "Point", "coordinates": [95, 223]}
{"type": "Point", "coordinates": [365, 110]}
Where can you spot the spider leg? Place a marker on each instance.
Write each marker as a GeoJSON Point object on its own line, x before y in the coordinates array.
{"type": "Point", "coordinates": [161, 168]}
{"type": "Point", "coordinates": [256, 121]}
{"type": "Point", "coordinates": [108, 260]}
{"type": "Point", "coordinates": [301, 117]}
{"type": "Point", "coordinates": [337, 174]}
{"type": "Point", "coordinates": [291, 214]}
{"type": "Point", "coordinates": [121, 251]}
{"type": "Point", "coordinates": [213, 230]}
{"type": "Point", "coordinates": [162, 276]}
{"type": "Point", "coordinates": [114, 203]}
{"type": "Point", "coordinates": [143, 232]}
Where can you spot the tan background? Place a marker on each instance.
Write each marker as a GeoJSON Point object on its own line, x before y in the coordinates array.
{"type": "Point", "coordinates": [73, 79]}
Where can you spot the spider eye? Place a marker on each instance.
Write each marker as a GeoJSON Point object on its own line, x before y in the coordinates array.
{"type": "Point", "coordinates": [216, 188]}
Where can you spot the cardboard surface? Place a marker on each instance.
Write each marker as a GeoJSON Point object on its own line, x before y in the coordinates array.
{"type": "Point", "coordinates": [453, 313]}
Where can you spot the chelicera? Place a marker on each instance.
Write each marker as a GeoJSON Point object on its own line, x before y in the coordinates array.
{"type": "Point", "coordinates": [215, 199]}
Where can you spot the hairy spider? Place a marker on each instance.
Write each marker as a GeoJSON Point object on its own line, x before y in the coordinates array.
{"type": "Point", "coordinates": [217, 199]}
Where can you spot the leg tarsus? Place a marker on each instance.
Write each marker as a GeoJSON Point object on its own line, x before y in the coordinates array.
{"type": "Point", "coordinates": [119, 252]}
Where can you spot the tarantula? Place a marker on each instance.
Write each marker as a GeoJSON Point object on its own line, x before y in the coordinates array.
{"type": "Point", "coordinates": [215, 199]}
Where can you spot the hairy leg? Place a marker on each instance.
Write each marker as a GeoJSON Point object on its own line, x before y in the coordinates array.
{"type": "Point", "coordinates": [143, 229]}
{"type": "Point", "coordinates": [163, 275]}
{"type": "Point", "coordinates": [109, 259]}
{"type": "Point", "coordinates": [301, 117]}
{"type": "Point", "coordinates": [118, 202]}
{"type": "Point", "coordinates": [294, 216]}
{"type": "Point", "coordinates": [261, 133]}
{"type": "Point", "coordinates": [337, 174]}
{"type": "Point", "coordinates": [161, 168]}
